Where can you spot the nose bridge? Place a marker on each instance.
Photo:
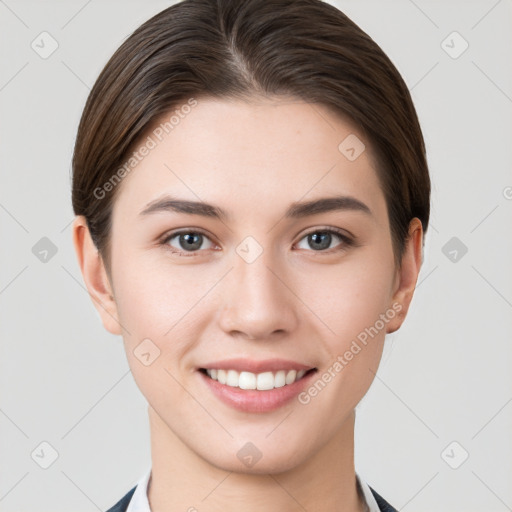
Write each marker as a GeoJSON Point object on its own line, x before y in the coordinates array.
{"type": "Point", "coordinates": [256, 301]}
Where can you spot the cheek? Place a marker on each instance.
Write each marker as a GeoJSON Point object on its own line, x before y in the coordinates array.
{"type": "Point", "coordinates": [354, 310]}
{"type": "Point", "coordinates": [160, 311]}
{"type": "Point", "coordinates": [165, 304]}
{"type": "Point", "coordinates": [350, 299]}
{"type": "Point", "coordinates": [152, 299]}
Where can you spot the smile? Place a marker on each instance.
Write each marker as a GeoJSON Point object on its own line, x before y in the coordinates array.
{"type": "Point", "coordinates": [255, 386]}
{"type": "Point", "coordinates": [259, 381]}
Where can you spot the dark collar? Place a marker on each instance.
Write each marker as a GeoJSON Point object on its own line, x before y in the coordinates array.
{"type": "Point", "coordinates": [384, 506]}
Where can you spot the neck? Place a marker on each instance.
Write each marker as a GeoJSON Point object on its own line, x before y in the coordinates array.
{"type": "Point", "coordinates": [182, 480]}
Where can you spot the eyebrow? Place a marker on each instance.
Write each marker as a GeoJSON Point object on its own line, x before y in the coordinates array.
{"type": "Point", "coordinates": [295, 210]}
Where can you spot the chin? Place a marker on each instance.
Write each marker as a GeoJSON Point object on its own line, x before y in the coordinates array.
{"type": "Point", "coordinates": [248, 459]}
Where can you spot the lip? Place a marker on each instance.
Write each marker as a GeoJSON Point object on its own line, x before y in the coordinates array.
{"type": "Point", "coordinates": [255, 401]}
{"type": "Point", "coordinates": [249, 365]}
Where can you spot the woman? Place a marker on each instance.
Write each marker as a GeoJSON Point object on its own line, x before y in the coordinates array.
{"type": "Point", "coordinates": [252, 193]}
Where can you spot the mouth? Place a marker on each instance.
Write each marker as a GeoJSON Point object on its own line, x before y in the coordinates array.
{"type": "Point", "coordinates": [263, 381]}
{"type": "Point", "coordinates": [251, 392]}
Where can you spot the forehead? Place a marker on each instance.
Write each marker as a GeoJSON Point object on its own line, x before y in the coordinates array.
{"type": "Point", "coordinates": [251, 156]}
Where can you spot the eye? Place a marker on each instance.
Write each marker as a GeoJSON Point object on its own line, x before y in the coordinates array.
{"type": "Point", "coordinates": [321, 239]}
{"type": "Point", "coordinates": [187, 242]}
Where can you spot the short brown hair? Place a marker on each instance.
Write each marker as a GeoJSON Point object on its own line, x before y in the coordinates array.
{"type": "Point", "coordinates": [307, 49]}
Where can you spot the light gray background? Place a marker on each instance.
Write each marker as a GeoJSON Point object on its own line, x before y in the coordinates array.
{"type": "Point", "coordinates": [444, 377]}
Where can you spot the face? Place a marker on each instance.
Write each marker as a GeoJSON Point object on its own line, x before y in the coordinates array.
{"type": "Point", "coordinates": [268, 285]}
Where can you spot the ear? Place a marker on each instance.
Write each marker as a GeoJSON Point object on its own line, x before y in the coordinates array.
{"type": "Point", "coordinates": [407, 275]}
{"type": "Point", "coordinates": [95, 276]}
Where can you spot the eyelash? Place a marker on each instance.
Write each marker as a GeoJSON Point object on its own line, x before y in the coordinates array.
{"type": "Point", "coordinates": [346, 240]}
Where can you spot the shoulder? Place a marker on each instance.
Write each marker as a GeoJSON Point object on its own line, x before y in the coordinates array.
{"type": "Point", "coordinates": [384, 506]}
{"type": "Point", "coordinates": [122, 504]}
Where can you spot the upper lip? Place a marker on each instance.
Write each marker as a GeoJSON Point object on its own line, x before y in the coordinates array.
{"type": "Point", "coordinates": [250, 365]}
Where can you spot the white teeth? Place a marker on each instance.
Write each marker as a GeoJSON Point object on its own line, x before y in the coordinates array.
{"type": "Point", "coordinates": [247, 380]}
{"type": "Point", "coordinates": [232, 378]}
{"type": "Point", "coordinates": [261, 381]}
{"type": "Point", "coordinates": [221, 376]}
{"type": "Point", "coordinates": [291, 376]}
{"type": "Point", "coordinates": [265, 381]}
{"type": "Point", "coordinates": [280, 379]}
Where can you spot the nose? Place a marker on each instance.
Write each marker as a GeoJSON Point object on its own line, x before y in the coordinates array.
{"type": "Point", "coordinates": [258, 302]}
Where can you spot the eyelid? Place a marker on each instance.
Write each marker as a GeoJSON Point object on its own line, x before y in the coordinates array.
{"type": "Point", "coordinates": [322, 229]}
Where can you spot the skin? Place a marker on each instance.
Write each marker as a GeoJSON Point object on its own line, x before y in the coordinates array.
{"type": "Point", "coordinates": [294, 301]}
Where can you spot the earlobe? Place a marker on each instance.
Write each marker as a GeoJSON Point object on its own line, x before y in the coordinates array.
{"type": "Point", "coordinates": [95, 276]}
{"type": "Point", "coordinates": [407, 275]}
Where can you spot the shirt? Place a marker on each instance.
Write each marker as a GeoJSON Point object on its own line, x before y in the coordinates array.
{"type": "Point", "coordinates": [140, 502]}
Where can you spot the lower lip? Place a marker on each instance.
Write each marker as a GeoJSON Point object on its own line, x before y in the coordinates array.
{"type": "Point", "coordinates": [251, 400]}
